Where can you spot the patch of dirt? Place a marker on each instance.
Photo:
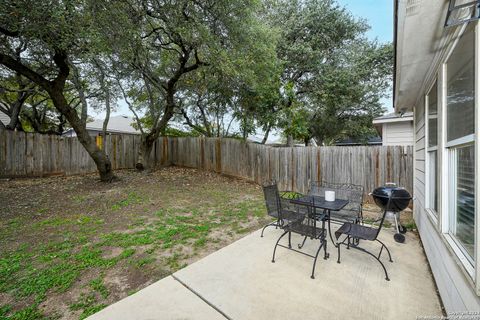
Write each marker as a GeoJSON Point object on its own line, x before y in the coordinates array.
{"type": "Point", "coordinates": [110, 252]}
{"type": "Point", "coordinates": [82, 211]}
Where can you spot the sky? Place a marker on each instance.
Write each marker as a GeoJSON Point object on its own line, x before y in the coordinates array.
{"type": "Point", "coordinates": [379, 15]}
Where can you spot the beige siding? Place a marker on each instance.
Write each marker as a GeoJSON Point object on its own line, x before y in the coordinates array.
{"type": "Point", "coordinates": [419, 161]}
{"type": "Point", "coordinates": [398, 133]}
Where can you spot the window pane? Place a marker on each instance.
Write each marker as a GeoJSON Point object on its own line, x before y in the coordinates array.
{"type": "Point", "coordinates": [464, 212]}
{"type": "Point", "coordinates": [432, 116]}
{"type": "Point", "coordinates": [433, 180]}
{"type": "Point", "coordinates": [460, 88]}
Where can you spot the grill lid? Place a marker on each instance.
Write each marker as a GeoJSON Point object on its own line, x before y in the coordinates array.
{"type": "Point", "coordinates": [399, 197]}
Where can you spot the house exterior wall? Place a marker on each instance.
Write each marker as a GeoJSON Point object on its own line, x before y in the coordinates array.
{"type": "Point", "coordinates": [4, 118]}
{"type": "Point", "coordinates": [456, 290]}
{"type": "Point", "coordinates": [456, 279]}
{"type": "Point", "coordinates": [397, 133]}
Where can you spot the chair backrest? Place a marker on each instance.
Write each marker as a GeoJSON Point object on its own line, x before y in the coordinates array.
{"type": "Point", "coordinates": [272, 199]}
{"type": "Point", "coordinates": [351, 192]}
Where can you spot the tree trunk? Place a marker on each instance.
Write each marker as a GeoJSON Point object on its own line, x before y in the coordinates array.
{"type": "Point", "coordinates": [265, 137]}
{"type": "Point", "coordinates": [14, 122]}
{"type": "Point", "coordinates": [55, 90]}
{"type": "Point", "coordinates": [143, 160]}
{"type": "Point", "coordinates": [306, 141]}
{"type": "Point", "coordinates": [107, 111]}
{"type": "Point", "coordinates": [105, 123]}
{"type": "Point", "coordinates": [289, 140]}
{"type": "Point", "coordinates": [102, 161]}
{"type": "Point", "coordinates": [81, 94]}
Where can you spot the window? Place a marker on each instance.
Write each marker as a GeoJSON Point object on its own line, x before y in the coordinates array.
{"type": "Point", "coordinates": [460, 143]}
{"type": "Point", "coordinates": [462, 11]}
{"type": "Point", "coordinates": [432, 149]}
{"type": "Point", "coordinates": [463, 205]}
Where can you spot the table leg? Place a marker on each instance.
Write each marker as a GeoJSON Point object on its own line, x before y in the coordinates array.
{"type": "Point", "coordinates": [330, 229]}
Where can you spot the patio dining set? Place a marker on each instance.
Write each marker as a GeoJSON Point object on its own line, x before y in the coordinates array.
{"type": "Point", "coordinates": [312, 215]}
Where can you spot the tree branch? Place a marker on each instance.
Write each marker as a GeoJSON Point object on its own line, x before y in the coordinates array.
{"type": "Point", "coordinates": [8, 32]}
{"type": "Point", "coordinates": [19, 67]}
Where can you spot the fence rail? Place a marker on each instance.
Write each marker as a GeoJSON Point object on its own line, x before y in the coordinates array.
{"type": "Point", "coordinates": [29, 154]}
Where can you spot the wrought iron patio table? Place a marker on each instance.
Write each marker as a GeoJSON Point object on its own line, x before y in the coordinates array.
{"type": "Point", "coordinates": [318, 202]}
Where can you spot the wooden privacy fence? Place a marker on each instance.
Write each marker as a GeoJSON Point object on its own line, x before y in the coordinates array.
{"type": "Point", "coordinates": [28, 154]}
{"type": "Point", "coordinates": [32, 154]}
{"type": "Point", "coordinates": [294, 168]}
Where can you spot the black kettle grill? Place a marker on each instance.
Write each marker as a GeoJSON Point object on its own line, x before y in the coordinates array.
{"type": "Point", "coordinates": [393, 199]}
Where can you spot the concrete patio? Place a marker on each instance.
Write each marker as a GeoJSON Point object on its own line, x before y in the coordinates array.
{"type": "Point", "coordinates": [240, 282]}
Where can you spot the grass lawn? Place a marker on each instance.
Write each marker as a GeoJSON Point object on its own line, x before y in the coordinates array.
{"type": "Point", "coordinates": [69, 246]}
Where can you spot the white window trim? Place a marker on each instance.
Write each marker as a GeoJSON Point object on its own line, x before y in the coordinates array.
{"type": "Point", "coordinates": [462, 140]}
{"type": "Point", "coordinates": [477, 157]}
{"type": "Point", "coordinates": [466, 263]}
{"type": "Point", "coordinates": [433, 214]}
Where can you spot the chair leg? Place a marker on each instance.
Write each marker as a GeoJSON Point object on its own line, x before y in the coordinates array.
{"type": "Point", "coordinates": [383, 266]}
{"type": "Point", "coordinates": [300, 246]}
{"type": "Point", "coordinates": [326, 255]}
{"type": "Point", "coordinates": [272, 224]}
{"type": "Point", "coordinates": [322, 243]}
{"type": "Point", "coordinates": [379, 261]}
{"type": "Point", "coordinates": [388, 251]}
{"type": "Point", "coordinates": [338, 248]}
{"type": "Point", "coordinates": [276, 244]}
{"type": "Point", "coordinates": [290, 240]}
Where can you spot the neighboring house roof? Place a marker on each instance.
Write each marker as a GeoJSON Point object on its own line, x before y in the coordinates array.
{"type": "Point", "coordinates": [4, 118]}
{"type": "Point", "coordinates": [394, 117]}
{"type": "Point", "coordinates": [351, 142]}
{"type": "Point", "coordinates": [116, 124]}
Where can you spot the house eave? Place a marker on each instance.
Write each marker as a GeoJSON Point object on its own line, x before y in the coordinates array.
{"type": "Point", "coordinates": [419, 37]}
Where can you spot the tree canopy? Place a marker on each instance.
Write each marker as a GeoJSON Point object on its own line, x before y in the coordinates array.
{"type": "Point", "coordinates": [219, 67]}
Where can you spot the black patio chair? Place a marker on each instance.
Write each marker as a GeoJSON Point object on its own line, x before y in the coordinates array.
{"type": "Point", "coordinates": [352, 212]}
{"type": "Point", "coordinates": [279, 208]}
{"type": "Point", "coordinates": [355, 232]}
{"type": "Point", "coordinates": [306, 227]}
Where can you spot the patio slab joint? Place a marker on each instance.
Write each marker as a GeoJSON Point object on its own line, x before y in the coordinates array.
{"type": "Point", "coordinates": [201, 297]}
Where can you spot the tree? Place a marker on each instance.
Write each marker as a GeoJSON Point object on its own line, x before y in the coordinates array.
{"type": "Point", "coordinates": [349, 97]}
{"type": "Point", "coordinates": [324, 55]}
{"type": "Point", "coordinates": [14, 91]}
{"type": "Point", "coordinates": [54, 33]}
{"type": "Point", "coordinates": [171, 42]}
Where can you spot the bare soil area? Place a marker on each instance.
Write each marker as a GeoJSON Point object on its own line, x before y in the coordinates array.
{"type": "Point", "coordinates": [69, 246]}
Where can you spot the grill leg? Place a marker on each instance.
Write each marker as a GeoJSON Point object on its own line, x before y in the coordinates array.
{"type": "Point", "coordinates": [276, 244]}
